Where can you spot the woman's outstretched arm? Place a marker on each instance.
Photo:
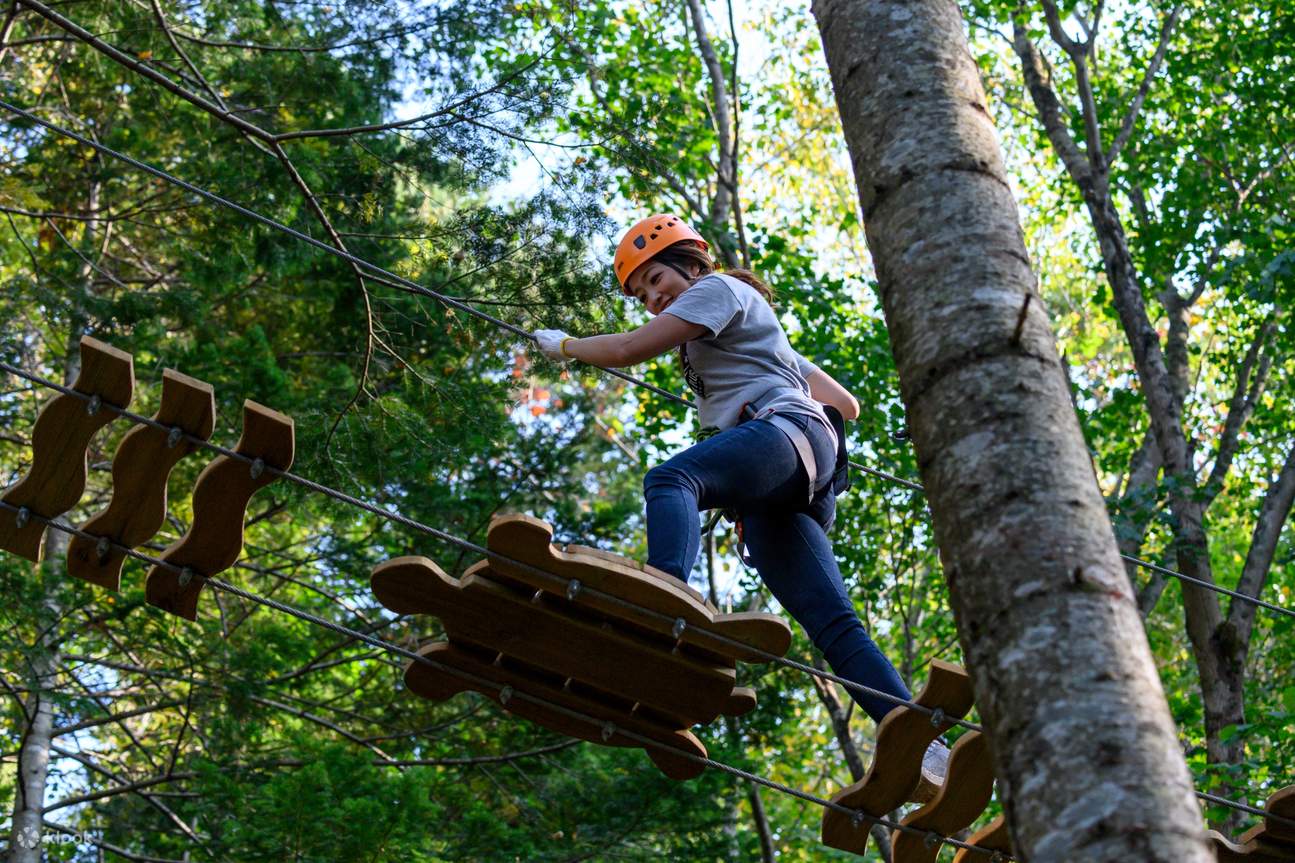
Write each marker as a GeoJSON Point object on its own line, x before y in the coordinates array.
{"type": "Point", "coordinates": [616, 350]}
{"type": "Point", "coordinates": [823, 388]}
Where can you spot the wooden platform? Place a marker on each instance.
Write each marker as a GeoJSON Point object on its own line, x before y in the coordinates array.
{"type": "Point", "coordinates": [1267, 842]}
{"type": "Point", "coordinates": [902, 740]}
{"type": "Point", "coordinates": [214, 540]}
{"type": "Point", "coordinates": [140, 468]}
{"type": "Point", "coordinates": [581, 652]}
{"type": "Point", "coordinates": [60, 443]}
{"type": "Point", "coordinates": [992, 837]}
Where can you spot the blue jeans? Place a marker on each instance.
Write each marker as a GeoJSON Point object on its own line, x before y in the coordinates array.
{"type": "Point", "coordinates": [754, 469]}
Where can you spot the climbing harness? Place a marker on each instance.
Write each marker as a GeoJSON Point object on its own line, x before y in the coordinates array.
{"type": "Point", "coordinates": [838, 480]}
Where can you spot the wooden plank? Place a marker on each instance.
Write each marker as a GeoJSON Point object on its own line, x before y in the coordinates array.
{"type": "Point", "coordinates": [1281, 804]}
{"type": "Point", "coordinates": [1269, 841]}
{"type": "Point", "coordinates": [529, 540]}
{"type": "Point", "coordinates": [1253, 850]}
{"type": "Point", "coordinates": [60, 441]}
{"type": "Point", "coordinates": [215, 539]}
{"type": "Point", "coordinates": [543, 634]}
{"type": "Point", "coordinates": [140, 470]}
{"type": "Point", "coordinates": [572, 647]}
{"type": "Point", "coordinates": [994, 836]}
{"type": "Point", "coordinates": [614, 558]}
{"type": "Point", "coordinates": [902, 739]}
{"type": "Point", "coordinates": [968, 786]}
{"type": "Point", "coordinates": [431, 683]}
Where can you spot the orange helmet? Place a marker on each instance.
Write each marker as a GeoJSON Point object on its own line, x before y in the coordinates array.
{"type": "Point", "coordinates": [645, 239]}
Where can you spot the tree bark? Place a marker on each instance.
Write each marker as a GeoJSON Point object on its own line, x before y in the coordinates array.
{"type": "Point", "coordinates": [767, 853]}
{"type": "Point", "coordinates": [1084, 746]}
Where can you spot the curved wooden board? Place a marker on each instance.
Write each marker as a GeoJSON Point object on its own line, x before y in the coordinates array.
{"type": "Point", "coordinates": [612, 557]}
{"type": "Point", "coordinates": [1281, 803]}
{"type": "Point", "coordinates": [902, 739]}
{"type": "Point", "coordinates": [220, 497]}
{"type": "Point", "coordinates": [529, 540]}
{"type": "Point", "coordinates": [544, 635]}
{"type": "Point", "coordinates": [140, 470]}
{"type": "Point", "coordinates": [435, 684]}
{"type": "Point", "coordinates": [968, 786]}
{"type": "Point", "coordinates": [1252, 850]}
{"type": "Point", "coordinates": [742, 701]}
{"type": "Point", "coordinates": [992, 837]}
{"type": "Point", "coordinates": [60, 440]}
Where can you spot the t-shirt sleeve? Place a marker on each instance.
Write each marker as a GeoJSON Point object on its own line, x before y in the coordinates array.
{"type": "Point", "coordinates": [710, 302]}
{"type": "Point", "coordinates": [805, 366]}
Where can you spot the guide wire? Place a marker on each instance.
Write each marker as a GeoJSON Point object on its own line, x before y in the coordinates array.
{"type": "Point", "coordinates": [404, 284]}
{"type": "Point", "coordinates": [414, 656]}
{"type": "Point", "coordinates": [562, 585]}
{"type": "Point", "coordinates": [392, 647]}
{"type": "Point", "coordinates": [390, 278]}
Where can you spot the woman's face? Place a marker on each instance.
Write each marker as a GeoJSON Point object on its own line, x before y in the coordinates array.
{"type": "Point", "coordinates": [657, 286]}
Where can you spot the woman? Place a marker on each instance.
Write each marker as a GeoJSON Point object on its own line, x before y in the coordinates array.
{"type": "Point", "coordinates": [769, 451]}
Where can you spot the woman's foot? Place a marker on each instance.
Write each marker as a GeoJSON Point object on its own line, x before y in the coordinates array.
{"type": "Point", "coordinates": [935, 764]}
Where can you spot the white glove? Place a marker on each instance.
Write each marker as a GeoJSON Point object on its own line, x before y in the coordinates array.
{"type": "Point", "coordinates": [550, 342]}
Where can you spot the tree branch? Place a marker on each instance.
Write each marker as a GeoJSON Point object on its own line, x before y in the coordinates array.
{"type": "Point", "coordinates": [64, 730]}
{"type": "Point", "coordinates": [1047, 106]}
{"type": "Point", "coordinates": [1263, 543]}
{"type": "Point", "coordinates": [1135, 107]}
{"type": "Point", "coordinates": [119, 789]}
{"type": "Point", "coordinates": [6, 29]}
{"type": "Point", "coordinates": [448, 110]}
{"type": "Point", "coordinates": [152, 801]}
{"type": "Point", "coordinates": [1240, 407]}
{"type": "Point", "coordinates": [395, 32]}
{"type": "Point", "coordinates": [1078, 53]}
{"type": "Point", "coordinates": [135, 65]}
{"type": "Point", "coordinates": [99, 843]}
{"type": "Point", "coordinates": [719, 211]}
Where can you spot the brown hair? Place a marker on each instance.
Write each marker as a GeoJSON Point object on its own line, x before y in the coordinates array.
{"type": "Point", "coordinates": [686, 253]}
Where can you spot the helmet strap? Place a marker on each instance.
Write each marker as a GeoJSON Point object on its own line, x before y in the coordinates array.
{"type": "Point", "coordinates": [678, 269]}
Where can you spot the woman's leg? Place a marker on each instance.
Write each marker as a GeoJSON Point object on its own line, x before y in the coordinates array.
{"type": "Point", "coordinates": [753, 464]}
{"type": "Point", "coordinates": [794, 557]}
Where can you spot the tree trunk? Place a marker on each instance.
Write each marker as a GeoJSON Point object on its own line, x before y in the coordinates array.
{"type": "Point", "coordinates": [34, 753]}
{"type": "Point", "coordinates": [38, 736]}
{"type": "Point", "coordinates": [840, 716]}
{"type": "Point", "coordinates": [767, 854]}
{"type": "Point", "coordinates": [1162, 375]}
{"type": "Point", "coordinates": [1084, 747]}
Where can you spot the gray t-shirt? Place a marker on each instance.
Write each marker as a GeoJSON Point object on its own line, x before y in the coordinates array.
{"type": "Point", "coordinates": [744, 358]}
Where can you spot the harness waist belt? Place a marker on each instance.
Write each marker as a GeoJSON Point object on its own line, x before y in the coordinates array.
{"type": "Point", "coordinates": [803, 447]}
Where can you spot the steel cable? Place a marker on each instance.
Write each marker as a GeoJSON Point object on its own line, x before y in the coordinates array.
{"type": "Point", "coordinates": [606, 727]}
{"type": "Point", "coordinates": [562, 584]}
{"type": "Point", "coordinates": [402, 283]}
{"type": "Point", "coordinates": [855, 814]}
